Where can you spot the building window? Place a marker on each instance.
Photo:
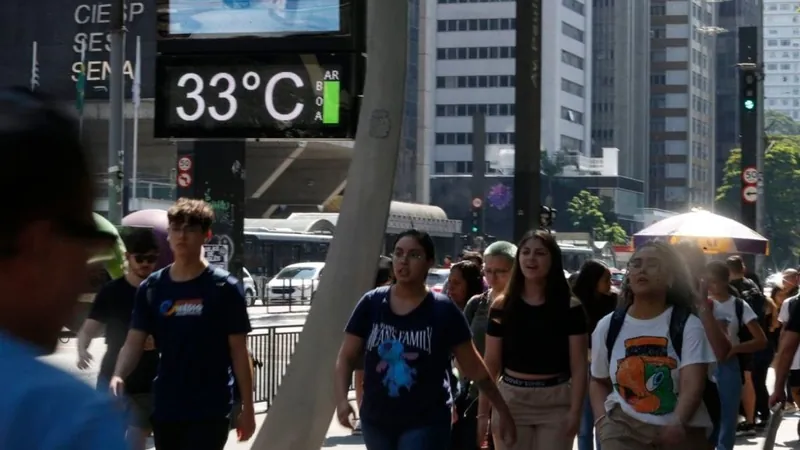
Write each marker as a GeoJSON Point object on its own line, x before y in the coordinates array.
{"type": "Point", "coordinates": [570, 115]}
{"type": "Point", "coordinates": [466, 138]}
{"type": "Point", "coordinates": [476, 24]}
{"type": "Point", "coordinates": [444, 2]}
{"type": "Point", "coordinates": [571, 144]}
{"type": "Point", "coordinates": [475, 81]}
{"type": "Point", "coordinates": [467, 110]}
{"type": "Point", "coordinates": [572, 88]}
{"type": "Point", "coordinates": [574, 5]}
{"type": "Point", "coordinates": [572, 59]}
{"type": "Point", "coordinates": [571, 32]}
{"type": "Point", "coordinates": [457, 53]}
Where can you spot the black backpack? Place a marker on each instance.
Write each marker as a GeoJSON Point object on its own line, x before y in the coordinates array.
{"type": "Point", "coordinates": [677, 323]}
{"type": "Point", "coordinates": [755, 298]}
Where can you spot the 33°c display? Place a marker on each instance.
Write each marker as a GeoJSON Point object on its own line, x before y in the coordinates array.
{"type": "Point", "coordinates": [275, 96]}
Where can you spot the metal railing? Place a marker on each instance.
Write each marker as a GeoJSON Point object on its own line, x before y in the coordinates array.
{"type": "Point", "coordinates": [272, 348]}
{"type": "Point", "coordinates": [284, 295]}
{"type": "Point", "coordinates": [155, 189]}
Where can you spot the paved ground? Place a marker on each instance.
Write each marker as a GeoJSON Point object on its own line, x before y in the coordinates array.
{"type": "Point", "coordinates": [341, 439]}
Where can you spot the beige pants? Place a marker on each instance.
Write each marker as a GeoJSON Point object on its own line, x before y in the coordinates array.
{"type": "Point", "coordinates": [539, 413]}
{"type": "Point", "coordinates": [619, 431]}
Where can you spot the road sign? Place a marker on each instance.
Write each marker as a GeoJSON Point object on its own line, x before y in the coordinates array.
{"type": "Point", "coordinates": [749, 194]}
{"type": "Point", "coordinates": [184, 180]}
{"type": "Point", "coordinates": [477, 203]}
{"type": "Point", "coordinates": [750, 175]}
{"type": "Point", "coordinates": [185, 164]}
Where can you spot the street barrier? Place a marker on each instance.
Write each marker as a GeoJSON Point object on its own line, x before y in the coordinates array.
{"type": "Point", "coordinates": [272, 348]}
{"type": "Point", "coordinates": [287, 295]}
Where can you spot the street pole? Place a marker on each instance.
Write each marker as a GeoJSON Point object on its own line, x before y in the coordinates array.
{"type": "Point", "coordinates": [301, 414]}
{"type": "Point", "coordinates": [116, 138]}
{"type": "Point", "coordinates": [478, 177]}
{"type": "Point", "coordinates": [763, 146]}
{"type": "Point", "coordinates": [527, 120]}
{"type": "Point", "coordinates": [749, 127]}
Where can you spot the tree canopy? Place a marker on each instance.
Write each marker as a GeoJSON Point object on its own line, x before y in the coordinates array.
{"type": "Point", "coordinates": [586, 212]}
{"type": "Point", "coordinates": [779, 124]}
{"type": "Point", "coordinates": [781, 194]}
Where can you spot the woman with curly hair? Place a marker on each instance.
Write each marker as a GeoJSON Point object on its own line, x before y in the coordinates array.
{"type": "Point", "coordinates": [650, 359]}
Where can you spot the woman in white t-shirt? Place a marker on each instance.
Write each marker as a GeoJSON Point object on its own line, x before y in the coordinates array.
{"type": "Point", "coordinates": [648, 389]}
{"type": "Point", "coordinates": [794, 373]}
{"type": "Point", "coordinates": [734, 314]}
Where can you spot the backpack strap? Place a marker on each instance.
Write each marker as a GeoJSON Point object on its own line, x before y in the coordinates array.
{"type": "Point", "coordinates": [677, 323]}
{"type": "Point", "coordinates": [152, 281]}
{"type": "Point", "coordinates": [614, 327]}
{"type": "Point", "coordinates": [739, 306]}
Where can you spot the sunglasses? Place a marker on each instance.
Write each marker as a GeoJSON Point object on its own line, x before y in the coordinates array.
{"type": "Point", "coordinates": [142, 259]}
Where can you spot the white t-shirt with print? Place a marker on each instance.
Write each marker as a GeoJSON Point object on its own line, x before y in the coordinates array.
{"type": "Point", "coordinates": [726, 311]}
{"type": "Point", "coordinates": [783, 317]}
{"type": "Point", "coordinates": [644, 367]}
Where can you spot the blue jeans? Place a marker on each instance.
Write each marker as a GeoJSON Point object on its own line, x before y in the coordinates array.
{"type": "Point", "coordinates": [729, 384]}
{"type": "Point", "coordinates": [433, 437]}
{"type": "Point", "coordinates": [586, 438]}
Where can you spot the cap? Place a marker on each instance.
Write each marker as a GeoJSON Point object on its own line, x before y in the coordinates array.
{"type": "Point", "coordinates": [46, 169]}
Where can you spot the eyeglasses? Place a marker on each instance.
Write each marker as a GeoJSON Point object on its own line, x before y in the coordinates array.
{"type": "Point", "coordinates": [495, 272]}
{"type": "Point", "coordinates": [412, 255]}
{"type": "Point", "coordinates": [142, 259]}
{"type": "Point", "coordinates": [646, 265]}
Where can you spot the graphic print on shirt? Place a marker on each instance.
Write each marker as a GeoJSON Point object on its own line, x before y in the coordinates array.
{"type": "Point", "coordinates": [644, 376]}
{"type": "Point", "coordinates": [182, 308]}
{"type": "Point", "coordinates": [397, 349]}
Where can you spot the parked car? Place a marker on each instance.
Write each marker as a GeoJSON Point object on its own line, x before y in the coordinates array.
{"type": "Point", "coordinates": [436, 279]}
{"type": "Point", "coordinates": [294, 283]}
{"type": "Point", "coordinates": [250, 289]}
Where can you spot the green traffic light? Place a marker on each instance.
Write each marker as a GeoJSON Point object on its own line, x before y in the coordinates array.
{"type": "Point", "coordinates": [474, 229]}
{"type": "Point", "coordinates": [749, 104]}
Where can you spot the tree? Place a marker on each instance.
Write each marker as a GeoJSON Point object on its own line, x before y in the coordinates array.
{"type": "Point", "coordinates": [781, 194]}
{"type": "Point", "coordinates": [585, 211]}
{"type": "Point", "coordinates": [779, 124]}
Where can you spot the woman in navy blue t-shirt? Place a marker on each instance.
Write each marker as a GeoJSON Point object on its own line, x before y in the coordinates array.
{"type": "Point", "coordinates": [407, 336]}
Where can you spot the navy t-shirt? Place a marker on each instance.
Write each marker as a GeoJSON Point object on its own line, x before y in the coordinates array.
{"type": "Point", "coordinates": [407, 359]}
{"type": "Point", "coordinates": [190, 322]}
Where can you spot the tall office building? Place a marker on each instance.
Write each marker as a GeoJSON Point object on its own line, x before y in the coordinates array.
{"type": "Point", "coordinates": [621, 82]}
{"type": "Point", "coordinates": [782, 57]}
{"type": "Point", "coordinates": [732, 14]}
{"type": "Point", "coordinates": [681, 104]}
{"type": "Point", "coordinates": [474, 71]}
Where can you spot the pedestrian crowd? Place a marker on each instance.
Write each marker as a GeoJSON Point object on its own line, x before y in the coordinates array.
{"type": "Point", "coordinates": [514, 356]}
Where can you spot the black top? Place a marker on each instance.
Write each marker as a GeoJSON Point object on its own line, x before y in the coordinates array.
{"type": "Point", "coordinates": [598, 307]}
{"type": "Point", "coordinates": [113, 307]}
{"type": "Point", "coordinates": [538, 343]}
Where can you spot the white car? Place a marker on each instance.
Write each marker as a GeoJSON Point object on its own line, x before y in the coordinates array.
{"type": "Point", "coordinates": [250, 290]}
{"type": "Point", "coordinates": [294, 283]}
{"type": "Point", "coordinates": [437, 278]}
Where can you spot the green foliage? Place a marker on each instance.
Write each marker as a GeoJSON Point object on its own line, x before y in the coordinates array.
{"type": "Point", "coordinates": [585, 211]}
{"type": "Point", "coordinates": [778, 124]}
{"type": "Point", "coordinates": [781, 194]}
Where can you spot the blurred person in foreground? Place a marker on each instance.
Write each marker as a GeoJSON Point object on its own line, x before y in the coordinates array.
{"type": "Point", "coordinates": [46, 241]}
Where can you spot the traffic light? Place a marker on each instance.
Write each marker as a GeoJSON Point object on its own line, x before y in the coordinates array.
{"type": "Point", "coordinates": [749, 93]}
{"type": "Point", "coordinates": [476, 216]}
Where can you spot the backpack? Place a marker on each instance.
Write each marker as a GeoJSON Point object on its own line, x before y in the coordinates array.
{"type": "Point", "coordinates": [755, 298]}
{"type": "Point", "coordinates": [677, 324]}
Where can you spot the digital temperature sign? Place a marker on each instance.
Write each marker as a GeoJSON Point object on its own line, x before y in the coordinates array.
{"type": "Point", "coordinates": [306, 96]}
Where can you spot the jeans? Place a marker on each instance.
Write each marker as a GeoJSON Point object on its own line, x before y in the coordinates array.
{"type": "Point", "coordinates": [432, 437]}
{"type": "Point", "coordinates": [586, 438]}
{"type": "Point", "coordinates": [729, 384]}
